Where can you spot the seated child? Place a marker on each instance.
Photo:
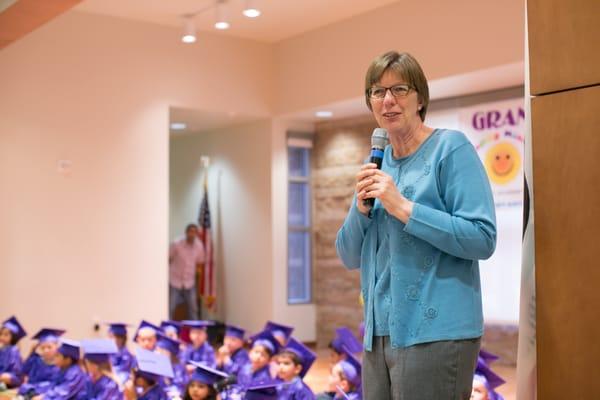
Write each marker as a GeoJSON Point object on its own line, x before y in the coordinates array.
{"type": "Point", "coordinates": [485, 381]}
{"type": "Point", "coordinates": [264, 346]}
{"type": "Point", "coordinates": [170, 348]}
{"type": "Point", "coordinates": [71, 382]}
{"type": "Point", "coordinates": [232, 356]}
{"type": "Point", "coordinates": [202, 383]}
{"type": "Point", "coordinates": [293, 363]}
{"type": "Point", "coordinates": [122, 361]}
{"type": "Point", "coordinates": [40, 368]}
{"type": "Point", "coordinates": [345, 380]}
{"type": "Point", "coordinates": [11, 365]}
{"type": "Point", "coordinates": [199, 349]}
{"type": "Point", "coordinates": [145, 336]}
{"type": "Point", "coordinates": [102, 383]}
{"type": "Point", "coordinates": [280, 332]}
{"type": "Point", "coordinates": [171, 329]}
{"type": "Point", "coordinates": [343, 342]}
{"type": "Point", "coordinates": [144, 382]}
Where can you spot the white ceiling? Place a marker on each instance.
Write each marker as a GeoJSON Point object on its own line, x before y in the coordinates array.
{"type": "Point", "coordinates": [280, 19]}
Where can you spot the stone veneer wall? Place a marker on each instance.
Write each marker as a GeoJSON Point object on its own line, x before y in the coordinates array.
{"type": "Point", "coordinates": [340, 149]}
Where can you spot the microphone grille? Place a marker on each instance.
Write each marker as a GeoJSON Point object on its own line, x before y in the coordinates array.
{"type": "Point", "coordinates": [379, 139]}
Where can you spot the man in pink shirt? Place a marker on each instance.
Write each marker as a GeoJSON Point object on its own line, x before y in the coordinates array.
{"type": "Point", "coordinates": [185, 256]}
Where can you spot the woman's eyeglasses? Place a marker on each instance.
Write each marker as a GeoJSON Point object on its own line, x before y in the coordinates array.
{"type": "Point", "coordinates": [379, 92]}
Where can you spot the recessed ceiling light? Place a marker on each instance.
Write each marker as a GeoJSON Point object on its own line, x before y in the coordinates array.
{"type": "Point", "coordinates": [178, 126]}
{"type": "Point", "coordinates": [221, 15]}
{"type": "Point", "coordinates": [324, 114]}
{"type": "Point", "coordinates": [251, 11]}
{"type": "Point", "coordinates": [189, 33]}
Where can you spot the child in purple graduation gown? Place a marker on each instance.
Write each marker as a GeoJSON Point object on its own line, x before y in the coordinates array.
{"type": "Point", "coordinates": [232, 356]}
{"type": "Point", "coordinates": [39, 368]}
{"type": "Point", "coordinates": [11, 365]}
{"type": "Point", "coordinates": [343, 342]}
{"type": "Point", "coordinates": [145, 336]}
{"type": "Point", "coordinates": [293, 362]}
{"type": "Point", "coordinates": [264, 346]}
{"type": "Point", "coordinates": [170, 348]}
{"type": "Point", "coordinates": [144, 383]}
{"type": "Point", "coordinates": [345, 380]}
{"type": "Point", "coordinates": [102, 383]}
{"type": "Point", "coordinates": [202, 383]}
{"type": "Point", "coordinates": [71, 382]}
{"type": "Point", "coordinates": [122, 360]}
{"type": "Point", "coordinates": [199, 349]}
{"type": "Point", "coordinates": [485, 381]}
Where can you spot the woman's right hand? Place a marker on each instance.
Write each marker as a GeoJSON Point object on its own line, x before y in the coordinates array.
{"type": "Point", "coordinates": [363, 181]}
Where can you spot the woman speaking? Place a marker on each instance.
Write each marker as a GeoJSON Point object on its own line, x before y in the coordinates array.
{"type": "Point", "coordinates": [418, 246]}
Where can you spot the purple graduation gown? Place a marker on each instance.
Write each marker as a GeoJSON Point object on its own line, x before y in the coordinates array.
{"type": "Point", "coordinates": [70, 384]}
{"type": "Point", "coordinates": [237, 362]}
{"type": "Point", "coordinates": [175, 386]}
{"type": "Point", "coordinates": [11, 363]}
{"type": "Point", "coordinates": [155, 393]}
{"type": "Point", "coordinates": [246, 377]}
{"type": "Point", "coordinates": [103, 389]}
{"type": "Point", "coordinates": [203, 354]}
{"type": "Point", "coordinates": [40, 375]}
{"type": "Point", "coordinates": [294, 390]}
{"type": "Point", "coordinates": [122, 362]}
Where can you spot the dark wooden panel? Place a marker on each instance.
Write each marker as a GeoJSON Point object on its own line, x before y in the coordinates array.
{"type": "Point", "coordinates": [566, 170]}
{"type": "Point", "coordinates": [27, 15]}
{"type": "Point", "coordinates": [564, 44]}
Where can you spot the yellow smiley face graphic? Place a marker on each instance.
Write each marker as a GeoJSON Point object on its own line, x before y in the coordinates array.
{"type": "Point", "coordinates": [502, 162]}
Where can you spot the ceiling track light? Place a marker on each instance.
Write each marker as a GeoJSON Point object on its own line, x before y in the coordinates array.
{"type": "Point", "coordinates": [189, 30]}
{"type": "Point", "coordinates": [221, 17]}
{"type": "Point", "coordinates": [251, 10]}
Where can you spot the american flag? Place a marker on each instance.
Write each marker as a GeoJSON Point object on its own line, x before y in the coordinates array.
{"type": "Point", "coordinates": [206, 284]}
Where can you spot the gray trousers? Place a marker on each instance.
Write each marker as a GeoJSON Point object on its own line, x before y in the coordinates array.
{"type": "Point", "coordinates": [429, 371]}
{"type": "Point", "coordinates": [187, 296]}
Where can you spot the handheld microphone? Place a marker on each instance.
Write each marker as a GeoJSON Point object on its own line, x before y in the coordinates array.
{"type": "Point", "coordinates": [379, 140]}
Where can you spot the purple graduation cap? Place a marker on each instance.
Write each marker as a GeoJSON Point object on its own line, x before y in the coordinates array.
{"type": "Point", "coordinates": [206, 375]}
{"type": "Point", "coordinates": [485, 375]}
{"type": "Point", "coordinates": [98, 350]}
{"type": "Point", "coordinates": [345, 341]}
{"type": "Point", "coordinates": [48, 335]}
{"type": "Point", "coordinates": [15, 328]}
{"type": "Point", "coordinates": [352, 369]}
{"type": "Point", "coordinates": [69, 348]}
{"type": "Point", "coordinates": [279, 331]}
{"type": "Point", "coordinates": [267, 340]}
{"type": "Point", "coordinates": [262, 391]}
{"type": "Point", "coordinates": [117, 328]}
{"type": "Point", "coordinates": [145, 324]}
{"type": "Point", "coordinates": [165, 342]}
{"type": "Point", "coordinates": [170, 325]}
{"type": "Point", "coordinates": [306, 355]}
{"type": "Point", "coordinates": [151, 365]}
{"type": "Point", "coordinates": [234, 331]}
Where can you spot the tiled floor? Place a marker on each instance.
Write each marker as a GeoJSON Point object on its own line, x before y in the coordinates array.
{"type": "Point", "coordinates": [317, 376]}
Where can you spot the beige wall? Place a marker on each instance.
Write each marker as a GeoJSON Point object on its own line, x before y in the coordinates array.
{"type": "Point", "coordinates": [447, 37]}
{"type": "Point", "coordinates": [96, 91]}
